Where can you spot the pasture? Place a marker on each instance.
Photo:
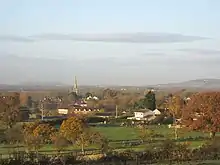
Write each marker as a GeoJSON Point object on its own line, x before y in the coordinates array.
{"type": "Point", "coordinates": [117, 135]}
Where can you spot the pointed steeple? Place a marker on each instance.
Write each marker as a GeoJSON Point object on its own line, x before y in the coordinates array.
{"type": "Point", "coordinates": [75, 87]}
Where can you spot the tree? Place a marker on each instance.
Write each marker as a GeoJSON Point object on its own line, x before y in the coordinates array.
{"type": "Point", "coordinates": [88, 94]}
{"type": "Point", "coordinates": [202, 112]}
{"type": "Point", "coordinates": [150, 100]}
{"type": "Point", "coordinates": [146, 134]}
{"type": "Point", "coordinates": [29, 102]}
{"type": "Point", "coordinates": [175, 107]}
{"type": "Point", "coordinates": [109, 93]}
{"type": "Point", "coordinates": [14, 135]}
{"type": "Point", "coordinates": [30, 127]}
{"type": "Point", "coordinates": [83, 139]}
{"type": "Point", "coordinates": [9, 109]}
{"type": "Point", "coordinates": [33, 142]}
{"type": "Point", "coordinates": [45, 132]}
{"type": "Point", "coordinates": [60, 142]}
{"type": "Point", "coordinates": [72, 128]}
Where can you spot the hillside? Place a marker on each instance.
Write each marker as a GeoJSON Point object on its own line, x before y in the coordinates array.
{"type": "Point", "coordinates": [196, 84]}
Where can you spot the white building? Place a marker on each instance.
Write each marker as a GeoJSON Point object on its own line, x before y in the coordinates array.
{"type": "Point", "coordinates": [156, 112]}
{"type": "Point", "coordinates": [63, 111]}
{"type": "Point", "coordinates": [92, 98]}
{"type": "Point", "coordinates": [143, 114]}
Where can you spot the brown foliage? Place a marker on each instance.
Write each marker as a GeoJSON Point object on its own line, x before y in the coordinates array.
{"type": "Point", "coordinates": [9, 108]}
{"type": "Point", "coordinates": [14, 135]}
{"type": "Point", "coordinates": [72, 128]}
{"type": "Point", "coordinates": [60, 142]}
{"type": "Point", "coordinates": [43, 132]}
{"type": "Point", "coordinates": [203, 112]}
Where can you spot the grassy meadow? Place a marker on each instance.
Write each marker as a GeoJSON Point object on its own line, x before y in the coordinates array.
{"type": "Point", "coordinates": [117, 135]}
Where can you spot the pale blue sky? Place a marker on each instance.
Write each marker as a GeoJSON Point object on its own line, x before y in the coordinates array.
{"type": "Point", "coordinates": [130, 42]}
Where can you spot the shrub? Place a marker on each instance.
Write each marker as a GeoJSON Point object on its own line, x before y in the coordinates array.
{"type": "Point", "coordinates": [94, 119]}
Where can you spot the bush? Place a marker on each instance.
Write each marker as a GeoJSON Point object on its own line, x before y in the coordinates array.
{"type": "Point", "coordinates": [168, 120]}
{"type": "Point", "coordinates": [94, 119]}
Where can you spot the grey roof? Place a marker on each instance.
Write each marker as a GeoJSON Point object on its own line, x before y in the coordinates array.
{"type": "Point", "coordinates": [143, 110]}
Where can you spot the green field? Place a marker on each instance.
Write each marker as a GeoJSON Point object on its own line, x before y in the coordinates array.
{"type": "Point", "coordinates": [117, 134]}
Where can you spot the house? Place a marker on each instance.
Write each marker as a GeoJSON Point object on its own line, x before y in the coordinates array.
{"type": "Point", "coordinates": [157, 112]}
{"type": "Point", "coordinates": [80, 103]}
{"type": "Point", "coordinates": [63, 111]}
{"type": "Point", "coordinates": [92, 98]}
{"type": "Point", "coordinates": [85, 110]}
{"type": "Point", "coordinates": [143, 114]}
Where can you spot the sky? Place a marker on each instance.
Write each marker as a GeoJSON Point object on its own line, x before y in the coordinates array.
{"type": "Point", "coordinates": [111, 42]}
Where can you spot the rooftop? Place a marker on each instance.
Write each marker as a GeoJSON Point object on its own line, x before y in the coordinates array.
{"type": "Point", "coordinates": [143, 110]}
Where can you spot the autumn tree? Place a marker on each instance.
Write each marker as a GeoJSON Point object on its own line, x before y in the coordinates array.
{"type": "Point", "coordinates": [14, 135]}
{"type": "Point", "coordinates": [33, 142]}
{"type": "Point", "coordinates": [202, 112]}
{"type": "Point", "coordinates": [146, 134]}
{"type": "Point", "coordinates": [28, 128]}
{"type": "Point", "coordinates": [83, 139]}
{"type": "Point", "coordinates": [36, 131]}
{"type": "Point", "coordinates": [60, 142]}
{"type": "Point", "coordinates": [44, 132]}
{"type": "Point", "coordinates": [175, 106]}
{"type": "Point", "coordinates": [9, 109]}
{"type": "Point", "coordinates": [72, 128]}
{"type": "Point", "coordinates": [109, 93]}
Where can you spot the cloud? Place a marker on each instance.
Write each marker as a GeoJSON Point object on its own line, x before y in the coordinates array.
{"type": "Point", "coordinates": [15, 39]}
{"type": "Point", "coordinates": [201, 51]}
{"type": "Point", "coordinates": [116, 37]}
{"type": "Point", "coordinates": [123, 37]}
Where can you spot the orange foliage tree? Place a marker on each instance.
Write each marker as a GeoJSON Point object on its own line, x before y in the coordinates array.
{"type": "Point", "coordinates": [75, 130]}
{"type": "Point", "coordinates": [72, 128]}
{"type": "Point", "coordinates": [175, 106]}
{"type": "Point", "coordinates": [9, 109]}
{"type": "Point", "coordinates": [202, 112]}
{"type": "Point", "coordinates": [44, 132]}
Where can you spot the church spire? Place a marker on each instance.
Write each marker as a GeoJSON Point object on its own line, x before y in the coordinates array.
{"type": "Point", "coordinates": [75, 87]}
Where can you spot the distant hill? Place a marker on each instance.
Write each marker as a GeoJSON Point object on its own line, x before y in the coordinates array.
{"type": "Point", "coordinates": [196, 84]}
{"type": "Point", "coordinates": [32, 87]}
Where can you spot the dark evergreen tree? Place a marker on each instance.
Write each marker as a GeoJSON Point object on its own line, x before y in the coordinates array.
{"type": "Point", "coordinates": [150, 101]}
{"type": "Point", "coordinates": [88, 94]}
{"type": "Point", "coordinates": [29, 102]}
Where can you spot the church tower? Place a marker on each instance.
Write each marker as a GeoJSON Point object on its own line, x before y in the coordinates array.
{"type": "Point", "coordinates": [75, 86]}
